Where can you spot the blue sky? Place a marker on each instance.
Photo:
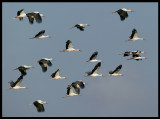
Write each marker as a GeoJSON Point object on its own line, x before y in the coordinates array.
{"type": "Point", "coordinates": [133, 95]}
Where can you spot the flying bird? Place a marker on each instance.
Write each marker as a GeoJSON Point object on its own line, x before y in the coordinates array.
{"type": "Point", "coordinates": [80, 26]}
{"type": "Point", "coordinates": [93, 58]}
{"type": "Point", "coordinates": [128, 53]}
{"type": "Point", "coordinates": [41, 35]}
{"type": "Point", "coordinates": [56, 75]}
{"type": "Point", "coordinates": [44, 62]}
{"type": "Point", "coordinates": [94, 73]}
{"type": "Point", "coordinates": [115, 72]}
{"type": "Point", "coordinates": [16, 85]}
{"type": "Point", "coordinates": [35, 15]}
{"type": "Point", "coordinates": [137, 57]}
{"type": "Point", "coordinates": [134, 36]}
{"type": "Point", "coordinates": [123, 13]}
{"type": "Point", "coordinates": [69, 47]}
{"type": "Point", "coordinates": [77, 85]}
{"type": "Point", "coordinates": [70, 91]}
{"type": "Point", "coordinates": [39, 105]}
{"type": "Point", "coordinates": [23, 69]}
{"type": "Point", "coordinates": [20, 14]}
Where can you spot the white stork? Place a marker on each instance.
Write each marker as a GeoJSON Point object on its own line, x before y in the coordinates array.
{"type": "Point", "coordinates": [77, 85]}
{"type": "Point", "coordinates": [23, 69]}
{"type": "Point", "coordinates": [20, 15]}
{"type": "Point", "coordinates": [93, 58]}
{"type": "Point", "coordinates": [16, 85]}
{"type": "Point", "coordinates": [128, 53]}
{"type": "Point", "coordinates": [70, 91]}
{"type": "Point", "coordinates": [69, 47]}
{"type": "Point", "coordinates": [39, 105]}
{"type": "Point", "coordinates": [56, 75]}
{"type": "Point", "coordinates": [80, 26]}
{"type": "Point", "coordinates": [44, 62]}
{"type": "Point", "coordinates": [134, 36]}
{"type": "Point", "coordinates": [41, 35]}
{"type": "Point", "coordinates": [115, 72]}
{"type": "Point", "coordinates": [137, 57]}
{"type": "Point", "coordinates": [94, 73]}
{"type": "Point", "coordinates": [123, 13]}
{"type": "Point", "coordinates": [35, 15]}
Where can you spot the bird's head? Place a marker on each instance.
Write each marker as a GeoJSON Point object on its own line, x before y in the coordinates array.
{"type": "Point", "coordinates": [42, 15]}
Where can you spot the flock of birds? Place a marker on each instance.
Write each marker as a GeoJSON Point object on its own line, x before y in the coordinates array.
{"type": "Point", "coordinates": [44, 62]}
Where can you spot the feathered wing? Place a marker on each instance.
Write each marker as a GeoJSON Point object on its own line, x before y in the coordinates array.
{"type": "Point", "coordinates": [38, 18]}
{"type": "Point", "coordinates": [39, 107]}
{"type": "Point", "coordinates": [68, 44]}
{"type": "Point", "coordinates": [56, 73]}
{"type": "Point", "coordinates": [43, 66]}
{"type": "Point", "coordinates": [94, 55]}
{"type": "Point", "coordinates": [134, 34]}
{"type": "Point", "coordinates": [30, 18]}
{"type": "Point", "coordinates": [40, 33]}
{"type": "Point", "coordinates": [117, 69]}
{"type": "Point", "coordinates": [96, 68]}
{"type": "Point", "coordinates": [19, 80]}
{"type": "Point", "coordinates": [76, 87]}
{"type": "Point", "coordinates": [49, 63]}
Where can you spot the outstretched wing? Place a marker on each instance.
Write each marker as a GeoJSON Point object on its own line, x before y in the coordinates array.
{"type": "Point", "coordinates": [134, 34]}
{"type": "Point", "coordinates": [40, 33]}
{"type": "Point", "coordinates": [94, 55]}
{"type": "Point", "coordinates": [96, 68]}
{"type": "Point", "coordinates": [68, 44]}
{"type": "Point", "coordinates": [117, 69]}
{"type": "Point", "coordinates": [56, 73]}
{"type": "Point", "coordinates": [19, 80]}
{"type": "Point", "coordinates": [43, 66]}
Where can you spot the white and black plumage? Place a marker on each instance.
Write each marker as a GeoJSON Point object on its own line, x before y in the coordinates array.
{"type": "Point", "coordinates": [69, 47]}
{"type": "Point", "coordinates": [20, 15]}
{"type": "Point", "coordinates": [123, 13]}
{"type": "Point", "coordinates": [44, 62]}
{"type": "Point", "coordinates": [80, 26]}
{"type": "Point", "coordinates": [115, 72]}
{"type": "Point", "coordinates": [56, 75]}
{"type": "Point", "coordinates": [41, 35]}
{"type": "Point", "coordinates": [23, 69]}
{"type": "Point", "coordinates": [35, 15]}
{"type": "Point", "coordinates": [77, 85]}
{"type": "Point", "coordinates": [94, 73]}
{"type": "Point", "coordinates": [134, 36]}
{"type": "Point", "coordinates": [93, 58]}
{"type": "Point", "coordinates": [39, 105]}
{"type": "Point", "coordinates": [128, 53]}
{"type": "Point", "coordinates": [70, 91]}
{"type": "Point", "coordinates": [137, 57]}
{"type": "Point", "coordinates": [16, 85]}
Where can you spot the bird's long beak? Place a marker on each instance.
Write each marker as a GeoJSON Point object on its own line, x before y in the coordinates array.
{"type": "Point", "coordinates": [46, 102]}
{"type": "Point", "coordinates": [36, 62]}
{"type": "Point", "coordinates": [113, 12]}
{"type": "Point", "coordinates": [132, 11]}
{"type": "Point", "coordinates": [52, 59]}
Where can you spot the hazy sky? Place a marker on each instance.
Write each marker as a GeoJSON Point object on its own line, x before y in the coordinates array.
{"type": "Point", "coordinates": [133, 95]}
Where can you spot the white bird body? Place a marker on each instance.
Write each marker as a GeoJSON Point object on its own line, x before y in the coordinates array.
{"type": "Point", "coordinates": [16, 85]}
{"type": "Point", "coordinates": [115, 72]}
{"type": "Point", "coordinates": [41, 35]}
{"type": "Point", "coordinates": [69, 47]}
{"type": "Point", "coordinates": [94, 72]}
{"type": "Point", "coordinates": [70, 92]}
{"type": "Point", "coordinates": [56, 75]}
{"type": "Point", "coordinates": [39, 105]}
{"type": "Point", "coordinates": [134, 36]}
{"type": "Point", "coordinates": [93, 58]}
{"type": "Point", "coordinates": [137, 58]}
